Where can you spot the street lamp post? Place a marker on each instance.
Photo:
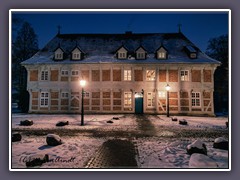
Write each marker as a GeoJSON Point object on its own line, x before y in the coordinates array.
{"type": "Point", "coordinates": [82, 84]}
{"type": "Point", "coordinates": [167, 88]}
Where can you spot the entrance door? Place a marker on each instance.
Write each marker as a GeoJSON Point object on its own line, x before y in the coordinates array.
{"type": "Point", "coordinates": [138, 103]}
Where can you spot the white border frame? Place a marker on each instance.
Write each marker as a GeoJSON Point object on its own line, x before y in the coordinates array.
{"type": "Point", "coordinates": [116, 10]}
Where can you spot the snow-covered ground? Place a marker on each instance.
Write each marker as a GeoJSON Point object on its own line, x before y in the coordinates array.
{"type": "Point", "coordinates": [152, 152]}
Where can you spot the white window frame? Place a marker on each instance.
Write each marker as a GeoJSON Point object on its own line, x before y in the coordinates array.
{"type": "Point", "coordinates": [127, 74]}
{"type": "Point", "coordinates": [76, 56]}
{"type": "Point", "coordinates": [44, 75]}
{"type": "Point", "coordinates": [140, 55]}
{"type": "Point", "coordinates": [44, 99]}
{"type": "Point", "coordinates": [65, 95]}
{"type": "Point", "coordinates": [58, 55]}
{"type": "Point", "coordinates": [196, 99]}
{"type": "Point", "coordinates": [64, 72]}
{"type": "Point", "coordinates": [150, 78]}
{"type": "Point", "coordinates": [73, 73]}
{"type": "Point", "coordinates": [127, 99]}
{"type": "Point", "coordinates": [151, 101]}
{"type": "Point", "coordinates": [86, 94]}
{"type": "Point", "coordinates": [161, 55]}
{"type": "Point", "coordinates": [193, 55]}
{"type": "Point", "coordinates": [122, 55]}
{"type": "Point", "coordinates": [184, 75]}
{"type": "Point", "coordinates": [162, 94]}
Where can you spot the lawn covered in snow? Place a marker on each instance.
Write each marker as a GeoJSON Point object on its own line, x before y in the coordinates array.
{"type": "Point", "coordinates": [163, 149]}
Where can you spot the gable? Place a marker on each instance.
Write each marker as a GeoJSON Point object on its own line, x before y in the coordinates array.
{"type": "Point", "coordinates": [161, 49]}
{"type": "Point", "coordinates": [140, 50]}
{"type": "Point", "coordinates": [76, 50]}
{"type": "Point", "coordinates": [122, 50]}
{"type": "Point", "coordinates": [59, 51]}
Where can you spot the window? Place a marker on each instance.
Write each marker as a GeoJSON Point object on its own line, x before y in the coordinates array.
{"type": "Point", "coordinates": [184, 75]}
{"type": "Point", "coordinates": [196, 99]}
{"type": "Point", "coordinates": [44, 99]}
{"type": "Point", "coordinates": [161, 94]}
{"type": "Point", "coordinates": [127, 99]}
{"type": "Point", "coordinates": [76, 56]}
{"type": "Point", "coordinates": [150, 99]}
{"type": "Point", "coordinates": [127, 75]}
{"type": "Point", "coordinates": [75, 73]}
{"type": "Point", "coordinates": [140, 55]}
{"type": "Point", "coordinates": [161, 55]}
{"type": "Point", "coordinates": [122, 55]}
{"type": "Point", "coordinates": [64, 72]}
{"type": "Point", "coordinates": [193, 55]}
{"type": "Point", "coordinates": [64, 94]}
{"type": "Point", "coordinates": [150, 75]}
{"type": "Point", "coordinates": [86, 94]}
{"type": "Point", "coordinates": [44, 75]}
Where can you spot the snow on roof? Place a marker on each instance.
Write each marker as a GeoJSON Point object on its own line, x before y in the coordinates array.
{"type": "Point", "coordinates": [101, 48]}
{"type": "Point", "coordinates": [191, 49]}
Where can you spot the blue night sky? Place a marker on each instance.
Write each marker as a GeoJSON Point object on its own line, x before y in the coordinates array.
{"type": "Point", "coordinates": [199, 27]}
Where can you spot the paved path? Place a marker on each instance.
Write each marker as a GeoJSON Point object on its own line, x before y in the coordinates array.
{"type": "Point", "coordinates": [114, 153]}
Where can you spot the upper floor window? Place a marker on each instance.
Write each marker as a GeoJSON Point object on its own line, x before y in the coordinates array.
{"type": "Point", "coordinates": [140, 53]}
{"type": "Point", "coordinates": [122, 53]}
{"type": "Point", "coordinates": [64, 72]}
{"type": "Point", "coordinates": [127, 75]}
{"type": "Point", "coordinates": [150, 75]}
{"type": "Point", "coordinates": [58, 54]}
{"type": "Point", "coordinates": [184, 75]}
{"type": "Point", "coordinates": [75, 73]}
{"type": "Point", "coordinates": [76, 54]}
{"type": "Point", "coordinates": [44, 75]}
{"type": "Point", "coordinates": [161, 94]}
{"type": "Point", "coordinates": [196, 99]}
{"type": "Point", "coordinates": [86, 94]}
{"type": "Point", "coordinates": [191, 51]}
{"type": "Point", "coordinates": [65, 95]}
{"type": "Point", "coordinates": [162, 53]}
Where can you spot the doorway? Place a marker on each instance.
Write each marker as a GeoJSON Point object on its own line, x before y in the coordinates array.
{"type": "Point", "coordinates": [139, 103]}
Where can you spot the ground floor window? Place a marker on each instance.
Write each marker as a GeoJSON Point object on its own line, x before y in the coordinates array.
{"type": "Point", "coordinates": [44, 99]}
{"type": "Point", "coordinates": [150, 99]}
{"type": "Point", "coordinates": [127, 99]}
{"type": "Point", "coordinates": [196, 99]}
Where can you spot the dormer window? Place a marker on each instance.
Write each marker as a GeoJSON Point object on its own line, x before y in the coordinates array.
{"type": "Point", "coordinates": [191, 51]}
{"type": "Point", "coordinates": [140, 53]}
{"type": "Point", "coordinates": [162, 53]}
{"type": "Point", "coordinates": [77, 54]}
{"type": "Point", "coordinates": [58, 54]}
{"type": "Point", "coordinates": [122, 53]}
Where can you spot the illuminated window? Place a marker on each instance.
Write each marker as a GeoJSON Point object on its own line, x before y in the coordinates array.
{"type": "Point", "coordinates": [150, 99]}
{"type": "Point", "coordinates": [44, 99]}
{"type": "Point", "coordinates": [196, 99]}
{"type": "Point", "coordinates": [127, 99]}
{"type": "Point", "coordinates": [127, 75]}
{"type": "Point", "coordinates": [161, 94]}
{"type": "Point", "coordinates": [161, 55]}
{"type": "Point", "coordinates": [150, 75]}
{"type": "Point", "coordinates": [184, 75]}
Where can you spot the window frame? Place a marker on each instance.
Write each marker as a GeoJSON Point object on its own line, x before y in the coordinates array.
{"type": "Point", "coordinates": [196, 101]}
{"type": "Point", "coordinates": [44, 99]}
{"type": "Point", "coordinates": [162, 94]}
{"type": "Point", "coordinates": [44, 75]}
{"type": "Point", "coordinates": [150, 78]}
{"type": "Point", "coordinates": [63, 95]}
{"type": "Point", "coordinates": [141, 55]}
{"type": "Point", "coordinates": [122, 55]}
{"type": "Point", "coordinates": [152, 100]}
{"type": "Point", "coordinates": [64, 74]}
{"type": "Point", "coordinates": [75, 74]}
{"type": "Point", "coordinates": [127, 99]}
{"type": "Point", "coordinates": [126, 75]}
{"type": "Point", "coordinates": [162, 55]}
{"type": "Point", "coordinates": [184, 77]}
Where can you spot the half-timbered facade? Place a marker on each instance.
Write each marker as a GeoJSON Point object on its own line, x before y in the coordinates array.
{"type": "Point", "coordinates": [125, 73]}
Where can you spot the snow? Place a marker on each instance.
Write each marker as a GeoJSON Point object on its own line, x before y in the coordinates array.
{"type": "Point", "coordinates": [201, 161]}
{"type": "Point", "coordinates": [219, 140]}
{"type": "Point", "coordinates": [164, 150]}
{"type": "Point", "coordinates": [197, 144]}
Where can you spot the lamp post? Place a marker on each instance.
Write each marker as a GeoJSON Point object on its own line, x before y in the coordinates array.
{"type": "Point", "coordinates": [167, 88]}
{"type": "Point", "coordinates": [82, 84]}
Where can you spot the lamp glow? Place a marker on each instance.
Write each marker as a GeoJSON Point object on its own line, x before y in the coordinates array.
{"type": "Point", "coordinates": [82, 83]}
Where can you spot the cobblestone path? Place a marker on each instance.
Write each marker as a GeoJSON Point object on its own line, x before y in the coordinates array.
{"type": "Point", "coordinates": [114, 153]}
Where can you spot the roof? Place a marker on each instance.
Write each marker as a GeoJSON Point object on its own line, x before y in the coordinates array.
{"type": "Point", "coordinates": [101, 48]}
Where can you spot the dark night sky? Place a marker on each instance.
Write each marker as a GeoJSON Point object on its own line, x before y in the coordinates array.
{"type": "Point", "coordinates": [199, 27]}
